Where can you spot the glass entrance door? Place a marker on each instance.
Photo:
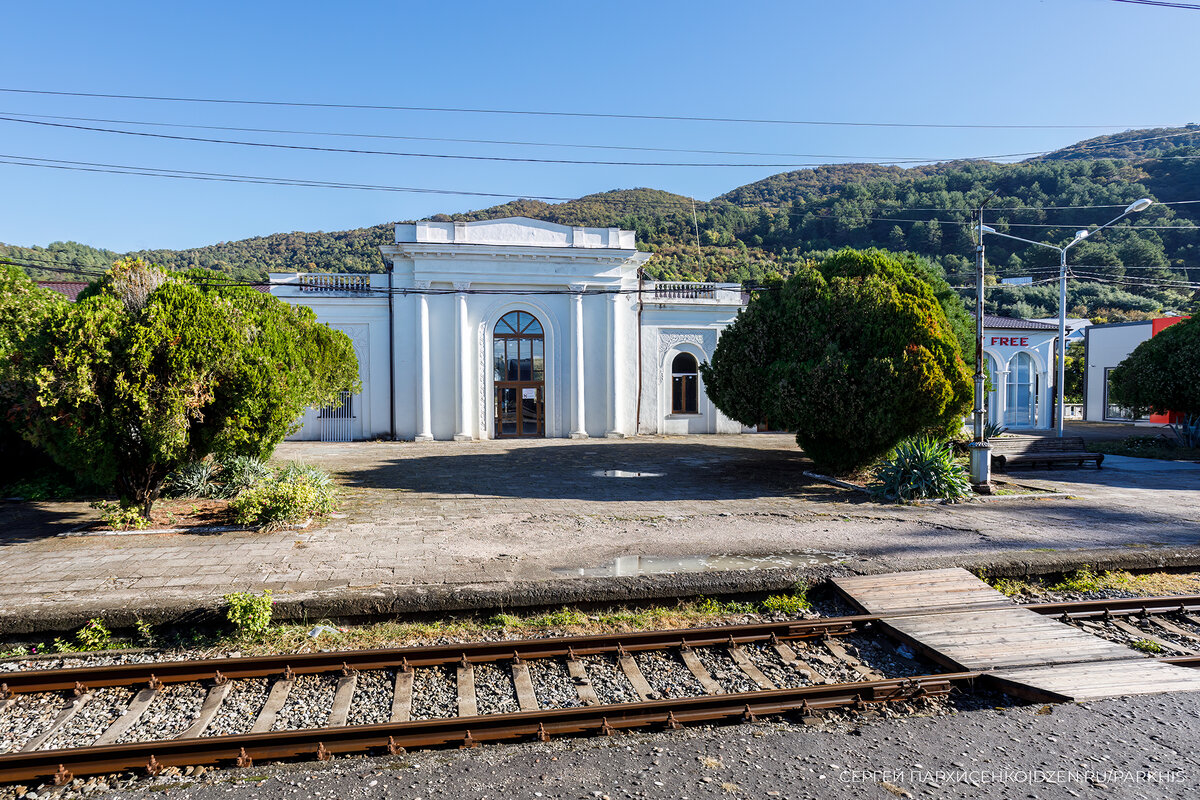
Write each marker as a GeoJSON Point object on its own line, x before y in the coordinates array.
{"type": "Point", "coordinates": [520, 410]}
{"type": "Point", "coordinates": [518, 354]}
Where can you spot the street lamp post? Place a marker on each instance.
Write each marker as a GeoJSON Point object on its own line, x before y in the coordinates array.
{"type": "Point", "coordinates": [1132, 208]}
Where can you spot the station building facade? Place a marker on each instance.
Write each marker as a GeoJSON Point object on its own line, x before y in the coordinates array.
{"type": "Point", "coordinates": [517, 328]}
{"type": "Point", "coordinates": [1019, 354]}
{"type": "Point", "coordinates": [1105, 347]}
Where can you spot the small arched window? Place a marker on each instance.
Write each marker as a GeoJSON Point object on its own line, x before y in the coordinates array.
{"type": "Point", "coordinates": [685, 387]}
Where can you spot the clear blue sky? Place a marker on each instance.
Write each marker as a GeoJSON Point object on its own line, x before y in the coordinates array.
{"type": "Point", "coordinates": [1069, 62]}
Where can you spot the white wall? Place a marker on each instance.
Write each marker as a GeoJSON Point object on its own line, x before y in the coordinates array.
{"type": "Point", "coordinates": [1107, 346]}
{"type": "Point", "coordinates": [363, 316]}
{"type": "Point", "coordinates": [667, 330]}
{"type": "Point", "coordinates": [1039, 344]}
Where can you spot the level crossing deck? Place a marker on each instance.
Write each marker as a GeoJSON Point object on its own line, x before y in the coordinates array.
{"type": "Point", "coordinates": [956, 619]}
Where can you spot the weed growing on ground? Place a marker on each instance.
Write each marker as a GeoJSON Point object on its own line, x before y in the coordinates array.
{"type": "Point", "coordinates": [1010, 587]}
{"type": "Point", "coordinates": [249, 613]}
{"type": "Point", "coordinates": [1146, 646]}
{"type": "Point", "coordinates": [93, 636]}
{"type": "Point", "coordinates": [120, 518]}
{"type": "Point", "coordinates": [715, 607]}
{"type": "Point", "coordinates": [296, 493]}
{"type": "Point", "coordinates": [1085, 580]}
{"type": "Point", "coordinates": [792, 603]}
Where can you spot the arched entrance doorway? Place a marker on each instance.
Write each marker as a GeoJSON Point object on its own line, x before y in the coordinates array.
{"type": "Point", "coordinates": [518, 354]}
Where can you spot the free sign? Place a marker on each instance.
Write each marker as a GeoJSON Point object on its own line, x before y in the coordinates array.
{"type": "Point", "coordinates": [1010, 341]}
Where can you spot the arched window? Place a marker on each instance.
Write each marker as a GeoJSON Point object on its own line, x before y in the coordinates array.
{"type": "Point", "coordinates": [685, 387]}
{"type": "Point", "coordinates": [1020, 403]}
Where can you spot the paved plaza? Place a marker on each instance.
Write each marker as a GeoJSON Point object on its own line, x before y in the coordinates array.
{"type": "Point", "coordinates": [425, 517]}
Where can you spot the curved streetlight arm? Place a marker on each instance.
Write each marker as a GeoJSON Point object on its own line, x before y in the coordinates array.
{"type": "Point", "coordinates": [993, 232]}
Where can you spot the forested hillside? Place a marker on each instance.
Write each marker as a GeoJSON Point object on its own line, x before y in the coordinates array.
{"type": "Point", "coordinates": [769, 227]}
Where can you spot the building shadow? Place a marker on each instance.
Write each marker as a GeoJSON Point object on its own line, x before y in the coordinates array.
{"type": "Point", "coordinates": [611, 472]}
{"type": "Point", "coordinates": [22, 522]}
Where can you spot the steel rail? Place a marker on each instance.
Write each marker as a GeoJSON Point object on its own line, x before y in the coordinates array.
{"type": "Point", "coordinates": [244, 749]}
{"type": "Point", "coordinates": [1118, 606]}
{"type": "Point", "coordinates": [220, 669]}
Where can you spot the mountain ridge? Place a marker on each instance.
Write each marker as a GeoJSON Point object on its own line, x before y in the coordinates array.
{"type": "Point", "coordinates": [771, 226]}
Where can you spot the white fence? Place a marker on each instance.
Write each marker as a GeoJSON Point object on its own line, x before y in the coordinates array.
{"type": "Point", "coordinates": [332, 282]}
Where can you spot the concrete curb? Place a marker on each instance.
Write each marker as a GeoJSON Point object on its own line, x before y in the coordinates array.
{"type": "Point", "coordinates": [490, 598]}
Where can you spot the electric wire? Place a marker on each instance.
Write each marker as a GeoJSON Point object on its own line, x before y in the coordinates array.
{"type": "Point", "coordinates": [882, 159]}
{"type": "Point", "coordinates": [575, 114]}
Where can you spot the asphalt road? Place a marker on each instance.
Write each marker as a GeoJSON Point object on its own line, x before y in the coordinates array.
{"type": "Point", "coordinates": [1143, 747]}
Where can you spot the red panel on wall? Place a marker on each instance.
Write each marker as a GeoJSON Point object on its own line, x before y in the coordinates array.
{"type": "Point", "coordinates": [1157, 326]}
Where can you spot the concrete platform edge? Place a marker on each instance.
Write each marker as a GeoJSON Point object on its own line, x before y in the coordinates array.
{"type": "Point", "coordinates": [384, 601]}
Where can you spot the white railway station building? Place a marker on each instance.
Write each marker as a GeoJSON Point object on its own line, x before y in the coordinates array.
{"type": "Point", "coordinates": [1019, 354]}
{"type": "Point", "coordinates": [517, 328]}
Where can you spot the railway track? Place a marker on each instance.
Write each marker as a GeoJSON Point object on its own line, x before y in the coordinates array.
{"type": "Point", "coordinates": [58, 724]}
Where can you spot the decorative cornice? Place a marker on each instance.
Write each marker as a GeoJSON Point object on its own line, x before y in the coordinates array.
{"type": "Point", "coordinates": [577, 287]}
{"type": "Point", "coordinates": [461, 286]}
{"type": "Point", "coordinates": [422, 285]}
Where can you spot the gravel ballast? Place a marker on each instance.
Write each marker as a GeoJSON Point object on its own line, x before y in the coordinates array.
{"type": "Point", "coordinates": [724, 671]}
{"type": "Point", "coordinates": [372, 701]}
{"type": "Point", "coordinates": [308, 704]}
{"type": "Point", "coordinates": [92, 720]}
{"type": "Point", "coordinates": [494, 690]}
{"type": "Point", "coordinates": [172, 711]}
{"type": "Point", "coordinates": [240, 709]}
{"type": "Point", "coordinates": [435, 694]}
{"type": "Point", "coordinates": [552, 684]}
{"type": "Point", "coordinates": [667, 675]}
{"type": "Point", "coordinates": [27, 717]}
{"type": "Point", "coordinates": [610, 683]}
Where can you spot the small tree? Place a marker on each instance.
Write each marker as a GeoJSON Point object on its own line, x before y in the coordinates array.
{"type": "Point", "coordinates": [149, 370]}
{"type": "Point", "coordinates": [23, 307]}
{"type": "Point", "coordinates": [854, 356]}
{"type": "Point", "coordinates": [1163, 374]}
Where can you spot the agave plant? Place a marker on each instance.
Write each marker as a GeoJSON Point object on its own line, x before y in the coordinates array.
{"type": "Point", "coordinates": [194, 479]}
{"type": "Point", "coordinates": [241, 473]}
{"type": "Point", "coordinates": [920, 468]}
{"type": "Point", "coordinates": [993, 429]}
{"type": "Point", "coordinates": [303, 473]}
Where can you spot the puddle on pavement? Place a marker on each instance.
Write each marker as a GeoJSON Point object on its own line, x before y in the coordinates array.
{"type": "Point", "coordinates": [624, 566]}
{"type": "Point", "coordinates": [621, 473]}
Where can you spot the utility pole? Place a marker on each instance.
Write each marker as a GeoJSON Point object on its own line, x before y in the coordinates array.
{"type": "Point", "coordinates": [1059, 409]}
{"type": "Point", "coordinates": [981, 451]}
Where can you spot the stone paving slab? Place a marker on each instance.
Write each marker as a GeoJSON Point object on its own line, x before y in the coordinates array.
{"type": "Point", "coordinates": [435, 523]}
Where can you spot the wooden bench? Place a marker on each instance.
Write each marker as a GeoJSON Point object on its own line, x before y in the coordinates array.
{"type": "Point", "coordinates": [1033, 450]}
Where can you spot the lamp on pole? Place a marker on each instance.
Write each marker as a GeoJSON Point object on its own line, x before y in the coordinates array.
{"type": "Point", "coordinates": [1132, 208]}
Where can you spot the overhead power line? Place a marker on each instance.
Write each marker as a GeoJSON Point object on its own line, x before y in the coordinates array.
{"type": "Point", "coordinates": [358, 151]}
{"type": "Point", "coordinates": [1162, 3]}
{"type": "Point", "coordinates": [683, 205]}
{"type": "Point", "coordinates": [577, 114]}
{"type": "Point", "coordinates": [511, 142]}
{"type": "Point", "coordinates": [521, 143]}
{"type": "Point", "coordinates": [513, 159]}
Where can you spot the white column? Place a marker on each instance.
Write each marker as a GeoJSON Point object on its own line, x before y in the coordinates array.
{"type": "Point", "coordinates": [578, 419]}
{"type": "Point", "coordinates": [463, 385]}
{"type": "Point", "coordinates": [424, 402]}
{"type": "Point", "coordinates": [612, 350]}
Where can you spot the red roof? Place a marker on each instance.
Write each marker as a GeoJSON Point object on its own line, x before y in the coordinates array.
{"type": "Point", "coordinates": [70, 288]}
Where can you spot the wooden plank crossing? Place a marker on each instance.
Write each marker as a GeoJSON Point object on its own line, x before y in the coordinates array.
{"type": "Point", "coordinates": [959, 621]}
